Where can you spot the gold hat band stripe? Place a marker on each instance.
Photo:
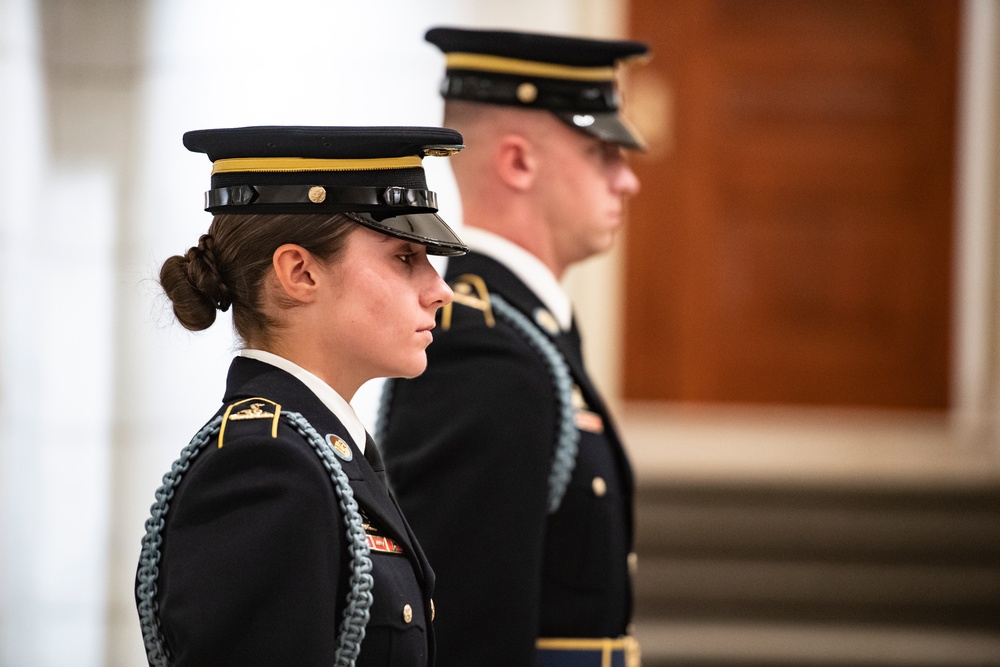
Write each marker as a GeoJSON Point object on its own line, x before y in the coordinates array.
{"type": "Point", "coordinates": [312, 164]}
{"type": "Point", "coordinates": [501, 65]}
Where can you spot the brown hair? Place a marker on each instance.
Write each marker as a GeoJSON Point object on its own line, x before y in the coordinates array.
{"type": "Point", "coordinates": [228, 266]}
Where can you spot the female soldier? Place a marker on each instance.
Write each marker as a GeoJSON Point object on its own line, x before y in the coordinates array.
{"type": "Point", "coordinates": [274, 539]}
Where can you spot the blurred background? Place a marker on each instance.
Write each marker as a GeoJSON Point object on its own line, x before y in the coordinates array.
{"type": "Point", "coordinates": [800, 331]}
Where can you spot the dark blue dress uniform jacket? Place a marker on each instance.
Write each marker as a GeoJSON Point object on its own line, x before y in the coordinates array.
{"type": "Point", "coordinates": [254, 567]}
{"type": "Point", "coordinates": [468, 447]}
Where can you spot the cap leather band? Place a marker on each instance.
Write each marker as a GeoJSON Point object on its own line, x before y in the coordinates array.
{"type": "Point", "coordinates": [553, 95]}
{"type": "Point", "coordinates": [238, 164]}
{"type": "Point", "coordinates": [501, 65]}
{"type": "Point", "coordinates": [241, 195]}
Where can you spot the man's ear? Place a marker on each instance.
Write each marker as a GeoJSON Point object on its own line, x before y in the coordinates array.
{"type": "Point", "coordinates": [294, 268]}
{"type": "Point", "coordinates": [515, 161]}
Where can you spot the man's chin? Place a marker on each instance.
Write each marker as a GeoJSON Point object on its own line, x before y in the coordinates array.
{"type": "Point", "coordinates": [603, 246]}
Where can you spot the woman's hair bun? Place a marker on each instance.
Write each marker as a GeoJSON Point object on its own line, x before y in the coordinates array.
{"type": "Point", "coordinates": [195, 286]}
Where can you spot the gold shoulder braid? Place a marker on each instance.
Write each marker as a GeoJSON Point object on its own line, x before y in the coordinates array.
{"type": "Point", "coordinates": [464, 286]}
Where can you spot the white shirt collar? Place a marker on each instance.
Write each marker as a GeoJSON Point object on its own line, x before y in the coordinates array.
{"type": "Point", "coordinates": [324, 392]}
{"type": "Point", "coordinates": [528, 268]}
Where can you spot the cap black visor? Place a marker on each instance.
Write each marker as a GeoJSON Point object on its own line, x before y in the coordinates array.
{"type": "Point", "coordinates": [605, 125]}
{"type": "Point", "coordinates": [427, 229]}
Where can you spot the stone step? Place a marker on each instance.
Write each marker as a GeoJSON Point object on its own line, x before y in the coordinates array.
{"type": "Point", "coordinates": [884, 592]}
{"type": "Point", "coordinates": [752, 644]}
{"type": "Point", "coordinates": [943, 526]}
{"type": "Point", "coordinates": [746, 575]}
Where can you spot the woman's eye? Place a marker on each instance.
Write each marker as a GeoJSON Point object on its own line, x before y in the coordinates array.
{"type": "Point", "coordinates": [407, 258]}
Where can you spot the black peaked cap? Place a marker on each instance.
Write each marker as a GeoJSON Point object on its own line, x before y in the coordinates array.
{"type": "Point", "coordinates": [373, 175]}
{"type": "Point", "coordinates": [571, 77]}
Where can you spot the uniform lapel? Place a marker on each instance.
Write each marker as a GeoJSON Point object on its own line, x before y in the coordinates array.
{"type": "Point", "coordinates": [389, 515]}
{"type": "Point", "coordinates": [373, 496]}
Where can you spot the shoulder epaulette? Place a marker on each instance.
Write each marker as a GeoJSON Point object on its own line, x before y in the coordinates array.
{"type": "Point", "coordinates": [470, 290]}
{"type": "Point", "coordinates": [247, 409]}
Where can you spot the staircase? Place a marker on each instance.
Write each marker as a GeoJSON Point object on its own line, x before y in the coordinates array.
{"type": "Point", "coordinates": [761, 576]}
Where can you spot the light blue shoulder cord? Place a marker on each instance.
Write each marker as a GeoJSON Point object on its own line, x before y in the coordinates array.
{"type": "Point", "coordinates": [359, 598]}
{"type": "Point", "coordinates": [568, 440]}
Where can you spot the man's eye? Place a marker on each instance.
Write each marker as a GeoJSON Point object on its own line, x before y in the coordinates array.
{"type": "Point", "coordinates": [612, 153]}
{"type": "Point", "coordinates": [605, 152]}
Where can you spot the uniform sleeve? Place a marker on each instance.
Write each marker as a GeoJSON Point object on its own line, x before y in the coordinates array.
{"type": "Point", "coordinates": [468, 450]}
{"type": "Point", "coordinates": [249, 574]}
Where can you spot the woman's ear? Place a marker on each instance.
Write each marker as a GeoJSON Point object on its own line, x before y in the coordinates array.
{"type": "Point", "coordinates": [515, 161]}
{"type": "Point", "coordinates": [295, 269]}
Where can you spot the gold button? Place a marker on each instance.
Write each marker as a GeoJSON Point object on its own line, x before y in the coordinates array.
{"type": "Point", "coordinates": [527, 92]}
{"type": "Point", "coordinates": [432, 609]}
{"type": "Point", "coordinates": [546, 320]}
{"type": "Point", "coordinates": [633, 563]}
{"type": "Point", "coordinates": [407, 613]}
{"type": "Point", "coordinates": [600, 486]}
{"type": "Point", "coordinates": [317, 194]}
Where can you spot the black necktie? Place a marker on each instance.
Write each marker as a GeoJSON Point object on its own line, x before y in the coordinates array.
{"type": "Point", "coordinates": [575, 344]}
{"type": "Point", "coordinates": [374, 457]}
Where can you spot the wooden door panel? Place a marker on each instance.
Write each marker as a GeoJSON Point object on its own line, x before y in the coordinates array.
{"type": "Point", "coordinates": [792, 242]}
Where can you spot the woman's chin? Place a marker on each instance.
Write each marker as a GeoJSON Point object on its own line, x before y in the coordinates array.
{"type": "Point", "coordinates": [412, 369]}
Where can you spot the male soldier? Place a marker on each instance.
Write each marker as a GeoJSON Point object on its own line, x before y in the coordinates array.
{"type": "Point", "coordinates": [502, 454]}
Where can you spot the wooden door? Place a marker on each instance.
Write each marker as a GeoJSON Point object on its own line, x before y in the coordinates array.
{"type": "Point", "coordinates": [792, 242]}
